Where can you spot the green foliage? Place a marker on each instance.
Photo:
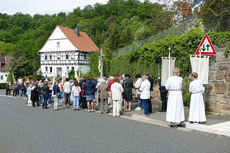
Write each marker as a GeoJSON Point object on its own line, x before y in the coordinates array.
{"type": "Point", "coordinates": [21, 67]}
{"type": "Point", "coordinates": [215, 14]}
{"type": "Point", "coordinates": [142, 60]}
{"type": "Point", "coordinates": [2, 85]}
{"type": "Point", "coordinates": [226, 52]}
{"type": "Point", "coordinates": [111, 26]}
{"type": "Point", "coordinates": [35, 77]}
{"type": "Point", "coordinates": [72, 74]}
{"type": "Point", "coordinates": [6, 48]}
{"type": "Point", "coordinates": [185, 92]}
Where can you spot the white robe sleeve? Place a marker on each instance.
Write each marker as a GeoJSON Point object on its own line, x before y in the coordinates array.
{"type": "Point", "coordinates": [191, 87]}
{"type": "Point", "coordinates": [167, 84]}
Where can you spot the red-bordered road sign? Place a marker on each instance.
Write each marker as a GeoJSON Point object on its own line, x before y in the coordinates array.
{"type": "Point", "coordinates": [206, 47]}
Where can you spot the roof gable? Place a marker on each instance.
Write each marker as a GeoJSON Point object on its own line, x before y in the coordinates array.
{"type": "Point", "coordinates": [57, 34]}
{"type": "Point", "coordinates": [82, 42]}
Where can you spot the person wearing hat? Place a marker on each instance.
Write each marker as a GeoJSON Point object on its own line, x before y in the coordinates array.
{"type": "Point", "coordinates": [175, 109]}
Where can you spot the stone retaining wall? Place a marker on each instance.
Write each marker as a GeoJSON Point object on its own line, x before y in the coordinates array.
{"type": "Point", "coordinates": [218, 90]}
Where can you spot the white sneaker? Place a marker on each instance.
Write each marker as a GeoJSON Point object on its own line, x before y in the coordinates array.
{"type": "Point", "coordinates": [138, 108]}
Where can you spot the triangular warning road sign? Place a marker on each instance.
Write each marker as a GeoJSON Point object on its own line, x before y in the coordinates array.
{"type": "Point", "coordinates": [206, 47]}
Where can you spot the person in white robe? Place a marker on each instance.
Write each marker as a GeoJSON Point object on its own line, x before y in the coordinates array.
{"type": "Point", "coordinates": [175, 110]}
{"type": "Point", "coordinates": [197, 107]}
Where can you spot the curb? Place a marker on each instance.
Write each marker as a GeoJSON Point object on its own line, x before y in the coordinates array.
{"type": "Point", "coordinates": [189, 127]}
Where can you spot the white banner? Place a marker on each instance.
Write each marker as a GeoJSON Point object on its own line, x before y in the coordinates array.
{"type": "Point", "coordinates": [200, 65]}
{"type": "Point", "coordinates": [167, 68]}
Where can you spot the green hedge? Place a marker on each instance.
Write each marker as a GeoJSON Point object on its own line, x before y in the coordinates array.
{"type": "Point", "coordinates": [142, 60]}
{"type": "Point", "coordinates": [2, 85]}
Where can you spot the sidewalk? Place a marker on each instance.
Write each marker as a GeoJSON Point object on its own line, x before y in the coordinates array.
{"type": "Point", "coordinates": [219, 125]}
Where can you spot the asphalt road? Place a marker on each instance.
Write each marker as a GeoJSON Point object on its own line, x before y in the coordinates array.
{"type": "Point", "coordinates": [34, 130]}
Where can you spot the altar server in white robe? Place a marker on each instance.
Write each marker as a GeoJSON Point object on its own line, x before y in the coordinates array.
{"type": "Point", "coordinates": [175, 110]}
{"type": "Point", "coordinates": [197, 108]}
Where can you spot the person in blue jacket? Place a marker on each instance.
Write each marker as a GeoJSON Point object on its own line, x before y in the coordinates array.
{"type": "Point", "coordinates": [90, 93]}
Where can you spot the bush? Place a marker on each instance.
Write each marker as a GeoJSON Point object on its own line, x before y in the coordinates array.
{"type": "Point", "coordinates": [142, 60]}
{"type": "Point", "coordinates": [2, 85]}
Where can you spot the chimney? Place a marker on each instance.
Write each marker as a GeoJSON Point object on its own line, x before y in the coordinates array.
{"type": "Point", "coordinates": [77, 31]}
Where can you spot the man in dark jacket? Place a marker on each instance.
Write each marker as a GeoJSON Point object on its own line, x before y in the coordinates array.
{"type": "Point", "coordinates": [7, 89]}
{"type": "Point", "coordinates": [45, 91]}
{"type": "Point", "coordinates": [127, 94]}
{"type": "Point", "coordinates": [151, 92]}
{"type": "Point", "coordinates": [163, 93]}
{"type": "Point", "coordinates": [35, 95]}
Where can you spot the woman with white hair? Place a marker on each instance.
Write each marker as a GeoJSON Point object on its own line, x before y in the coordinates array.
{"type": "Point", "coordinates": [175, 109]}
{"type": "Point", "coordinates": [145, 94]}
{"type": "Point", "coordinates": [103, 95]}
{"type": "Point", "coordinates": [116, 91]}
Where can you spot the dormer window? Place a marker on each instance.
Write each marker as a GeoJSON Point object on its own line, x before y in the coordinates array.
{"type": "Point", "coordinates": [58, 45]}
{"type": "Point", "coordinates": [66, 56]}
{"type": "Point", "coordinates": [45, 57]}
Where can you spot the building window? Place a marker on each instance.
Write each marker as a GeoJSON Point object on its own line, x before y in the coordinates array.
{"type": "Point", "coordinates": [46, 69]}
{"type": "Point", "coordinates": [72, 56]}
{"type": "Point", "coordinates": [50, 69]}
{"type": "Point", "coordinates": [58, 57]}
{"type": "Point", "coordinates": [85, 57]}
{"type": "Point", "coordinates": [51, 57]}
{"type": "Point", "coordinates": [45, 57]}
{"type": "Point", "coordinates": [66, 56]}
{"type": "Point", "coordinates": [58, 45]}
{"type": "Point", "coordinates": [72, 68]}
{"type": "Point", "coordinates": [1, 77]}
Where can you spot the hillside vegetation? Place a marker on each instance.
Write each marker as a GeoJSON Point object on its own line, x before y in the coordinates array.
{"type": "Point", "coordinates": [111, 26]}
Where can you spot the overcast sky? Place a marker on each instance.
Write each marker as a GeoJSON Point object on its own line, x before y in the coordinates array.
{"type": "Point", "coordinates": [45, 6]}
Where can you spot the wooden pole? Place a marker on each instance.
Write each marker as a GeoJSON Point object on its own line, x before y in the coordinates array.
{"type": "Point", "coordinates": [101, 63]}
{"type": "Point", "coordinates": [169, 62]}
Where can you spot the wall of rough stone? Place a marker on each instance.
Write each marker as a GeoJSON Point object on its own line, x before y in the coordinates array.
{"type": "Point", "coordinates": [218, 90]}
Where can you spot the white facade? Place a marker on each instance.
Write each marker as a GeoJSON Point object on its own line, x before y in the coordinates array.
{"type": "Point", "coordinates": [3, 77]}
{"type": "Point", "coordinates": [58, 56]}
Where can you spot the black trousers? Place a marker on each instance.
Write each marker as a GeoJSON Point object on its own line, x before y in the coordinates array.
{"type": "Point", "coordinates": [150, 106]}
{"type": "Point", "coordinates": [33, 103]}
{"type": "Point", "coordinates": [67, 98]}
{"type": "Point", "coordinates": [164, 100]}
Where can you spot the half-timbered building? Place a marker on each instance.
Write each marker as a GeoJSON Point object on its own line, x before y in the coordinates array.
{"type": "Point", "coordinates": [5, 62]}
{"type": "Point", "coordinates": [64, 50]}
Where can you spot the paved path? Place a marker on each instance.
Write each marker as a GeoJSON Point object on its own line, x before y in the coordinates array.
{"type": "Point", "coordinates": [34, 130]}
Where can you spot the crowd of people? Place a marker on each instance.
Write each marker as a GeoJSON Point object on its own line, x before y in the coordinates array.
{"type": "Point", "coordinates": [115, 92]}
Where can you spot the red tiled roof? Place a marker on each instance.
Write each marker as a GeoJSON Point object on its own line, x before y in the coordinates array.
{"type": "Point", "coordinates": [5, 66]}
{"type": "Point", "coordinates": [82, 42]}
